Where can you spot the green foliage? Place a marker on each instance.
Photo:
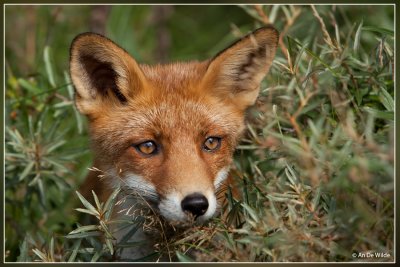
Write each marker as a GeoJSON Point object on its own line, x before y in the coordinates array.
{"type": "Point", "coordinates": [317, 163]}
{"type": "Point", "coordinates": [41, 163]}
{"type": "Point", "coordinates": [315, 170]}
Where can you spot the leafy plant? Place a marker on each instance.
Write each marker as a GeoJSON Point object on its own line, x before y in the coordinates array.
{"type": "Point", "coordinates": [315, 170]}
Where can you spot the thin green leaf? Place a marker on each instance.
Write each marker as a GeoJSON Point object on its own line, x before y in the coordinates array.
{"type": "Point", "coordinates": [337, 34]}
{"type": "Point", "coordinates": [357, 37]}
{"type": "Point", "coordinates": [70, 90]}
{"type": "Point", "coordinates": [315, 130]}
{"type": "Point", "coordinates": [54, 146]}
{"type": "Point", "coordinates": [291, 175]}
{"type": "Point", "coordinates": [15, 136]}
{"type": "Point", "coordinates": [183, 258]}
{"type": "Point", "coordinates": [96, 200]}
{"type": "Point", "coordinates": [36, 179]}
{"type": "Point", "coordinates": [39, 127]}
{"type": "Point", "coordinates": [52, 249]}
{"type": "Point", "coordinates": [312, 54]}
{"type": "Point", "coordinates": [27, 170]}
{"type": "Point", "coordinates": [96, 256]}
{"type": "Point", "coordinates": [52, 161]}
{"type": "Point", "coordinates": [14, 155]}
{"type": "Point", "coordinates": [29, 86]}
{"type": "Point", "coordinates": [131, 232]}
{"type": "Point", "coordinates": [277, 199]}
{"type": "Point", "coordinates": [42, 192]}
{"type": "Point", "coordinates": [105, 229]}
{"type": "Point", "coordinates": [49, 66]}
{"type": "Point", "coordinates": [86, 250]}
{"type": "Point", "coordinates": [299, 57]}
{"type": "Point", "coordinates": [316, 198]}
{"type": "Point", "coordinates": [87, 204]}
{"type": "Point", "coordinates": [75, 249]}
{"type": "Point", "coordinates": [251, 212]}
{"type": "Point", "coordinates": [50, 134]}
{"type": "Point", "coordinates": [84, 235]}
{"type": "Point", "coordinates": [30, 126]}
{"type": "Point", "coordinates": [273, 13]}
{"type": "Point", "coordinates": [88, 212]}
{"type": "Point", "coordinates": [108, 207]}
{"type": "Point", "coordinates": [245, 240]}
{"type": "Point", "coordinates": [40, 254]}
{"type": "Point", "coordinates": [378, 30]}
{"type": "Point", "coordinates": [85, 228]}
{"type": "Point", "coordinates": [387, 115]}
{"type": "Point", "coordinates": [110, 246]}
{"type": "Point", "coordinates": [23, 255]}
{"type": "Point", "coordinates": [386, 99]}
{"type": "Point", "coordinates": [63, 104]}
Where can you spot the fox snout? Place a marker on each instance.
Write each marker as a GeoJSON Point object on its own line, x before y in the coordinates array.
{"type": "Point", "coordinates": [195, 204]}
{"type": "Point", "coordinates": [184, 191]}
{"type": "Point", "coordinates": [192, 207]}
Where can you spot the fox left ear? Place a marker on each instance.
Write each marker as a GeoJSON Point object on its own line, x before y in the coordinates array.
{"type": "Point", "coordinates": [236, 72]}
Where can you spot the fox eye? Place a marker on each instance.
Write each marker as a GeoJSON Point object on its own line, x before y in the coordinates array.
{"type": "Point", "coordinates": [212, 143]}
{"type": "Point", "coordinates": [147, 148]}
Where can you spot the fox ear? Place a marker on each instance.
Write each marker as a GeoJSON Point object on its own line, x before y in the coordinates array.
{"type": "Point", "coordinates": [236, 72]}
{"type": "Point", "coordinates": [102, 73]}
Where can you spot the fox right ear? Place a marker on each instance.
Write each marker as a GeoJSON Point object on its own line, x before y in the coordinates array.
{"type": "Point", "coordinates": [235, 73]}
{"type": "Point", "coordinates": [102, 73]}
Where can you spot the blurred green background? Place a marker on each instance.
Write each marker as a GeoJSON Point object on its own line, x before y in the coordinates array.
{"type": "Point", "coordinates": [47, 146]}
{"type": "Point", "coordinates": [150, 33]}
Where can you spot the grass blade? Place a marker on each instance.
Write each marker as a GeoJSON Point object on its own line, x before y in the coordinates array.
{"type": "Point", "coordinates": [357, 37]}
{"type": "Point", "coordinates": [49, 66]}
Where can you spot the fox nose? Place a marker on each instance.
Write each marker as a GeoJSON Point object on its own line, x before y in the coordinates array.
{"type": "Point", "coordinates": [195, 203]}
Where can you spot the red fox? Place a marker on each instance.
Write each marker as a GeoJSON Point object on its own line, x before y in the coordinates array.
{"type": "Point", "coordinates": [167, 131]}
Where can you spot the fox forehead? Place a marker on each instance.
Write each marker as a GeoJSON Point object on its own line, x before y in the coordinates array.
{"type": "Point", "coordinates": [181, 76]}
{"type": "Point", "coordinates": [167, 116]}
{"type": "Point", "coordinates": [174, 98]}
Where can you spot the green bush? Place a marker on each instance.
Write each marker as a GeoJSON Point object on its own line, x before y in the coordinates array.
{"type": "Point", "coordinates": [315, 169]}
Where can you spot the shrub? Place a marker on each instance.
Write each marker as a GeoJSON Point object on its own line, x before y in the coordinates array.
{"type": "Point", "coordinates": [315, 169]}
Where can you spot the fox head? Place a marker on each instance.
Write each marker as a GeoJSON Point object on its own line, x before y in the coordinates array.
{"type": "Point", "coordinates": [168, 131]}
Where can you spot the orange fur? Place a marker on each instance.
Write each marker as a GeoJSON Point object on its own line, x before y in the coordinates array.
{"type": "Point", "coordinates": [176, 106]}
